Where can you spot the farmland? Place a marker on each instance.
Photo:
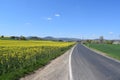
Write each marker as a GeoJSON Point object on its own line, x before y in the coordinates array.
{"type": "Point", "coordinates": [18, 58]}
{"type": "Point", "coordinates": [111, 50]}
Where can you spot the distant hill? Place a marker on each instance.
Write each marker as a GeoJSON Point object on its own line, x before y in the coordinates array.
{"type": "Point", "coordinates": [50, 38]}
{"type": "Point", "coordinates": [62, 39]}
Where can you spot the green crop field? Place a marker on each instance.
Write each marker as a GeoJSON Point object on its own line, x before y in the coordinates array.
{"type": "Point", "coordinates": [111, 50]}
{"type": "Point", "coordinates": [18, 58]}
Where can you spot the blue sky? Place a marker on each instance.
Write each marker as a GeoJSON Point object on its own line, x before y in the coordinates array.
{"type": "Point", "coordinates": [60, 18]}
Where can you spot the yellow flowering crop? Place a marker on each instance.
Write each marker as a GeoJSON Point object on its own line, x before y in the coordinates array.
{"type": "Point", "coordinates": [16, 55]}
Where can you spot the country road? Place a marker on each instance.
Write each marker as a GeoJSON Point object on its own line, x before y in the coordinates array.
{"type": "Point", "coordinates": [88, 65]}
{"type": "Point", "coordinates": [78, 63]}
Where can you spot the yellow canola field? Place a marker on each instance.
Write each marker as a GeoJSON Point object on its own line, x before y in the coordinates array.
{"type": "Point", "coordinates": [33, 43]}
{"type": "Point", "coordinates": [26, 55]}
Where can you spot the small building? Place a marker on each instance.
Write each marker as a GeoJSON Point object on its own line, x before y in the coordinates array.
{"type": "Point", "coordinates": [116, 42]}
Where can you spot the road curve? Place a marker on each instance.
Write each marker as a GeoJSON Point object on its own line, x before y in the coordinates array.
{"type": "Point", "coordinates": [87, 65]}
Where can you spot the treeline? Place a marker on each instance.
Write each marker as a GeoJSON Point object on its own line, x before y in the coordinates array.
{"type": "Point", "coordinates": [101, 40]}
{"type": "Point", "coordinates": [20, 38]}
{"type": "Point", "coordinates": [29, 38]}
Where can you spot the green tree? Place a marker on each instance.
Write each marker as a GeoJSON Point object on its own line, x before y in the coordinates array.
{"type": "Point", "coordinates": [2, 36]}
{"type": "Point", "coordinates": [22, 38]}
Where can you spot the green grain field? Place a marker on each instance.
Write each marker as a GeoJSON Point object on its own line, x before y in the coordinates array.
{"type": "Point", "coordinates": [111, 50]}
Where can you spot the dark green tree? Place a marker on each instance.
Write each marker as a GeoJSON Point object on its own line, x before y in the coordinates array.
{"type": "Point", "coordinates": [22, 38]}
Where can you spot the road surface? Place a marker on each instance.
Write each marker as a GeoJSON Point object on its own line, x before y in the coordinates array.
{"type": "Point", "coordinates": [88, 65]}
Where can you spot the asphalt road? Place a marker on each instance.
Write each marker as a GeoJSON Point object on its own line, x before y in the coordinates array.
{"type": "Point", "coordinates": [88, 65]}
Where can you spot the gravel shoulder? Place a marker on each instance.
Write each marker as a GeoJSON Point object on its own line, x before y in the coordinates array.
{"type": "Point", "coordinates": [58, 69]}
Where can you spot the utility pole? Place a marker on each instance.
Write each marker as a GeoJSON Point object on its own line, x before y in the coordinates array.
{"type": "Point", "coordinates": [119, 37]}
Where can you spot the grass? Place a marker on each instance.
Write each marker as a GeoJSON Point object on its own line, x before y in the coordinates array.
{"type": "Point", "coordinates": [111, 50]}
{"type": "Point", "coordinates": [18, 58]}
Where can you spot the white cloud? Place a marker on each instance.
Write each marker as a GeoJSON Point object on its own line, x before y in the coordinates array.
{"type": "Point", "coordinates": [49, 19]}
{"type": "Point", "coordinates": [57, 15]}
{"type": "Point", "coordinates": [110, 32]}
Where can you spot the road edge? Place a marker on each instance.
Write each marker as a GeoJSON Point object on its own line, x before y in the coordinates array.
{"type": "Point", "coordinates": [101, 53]}
{"type": "Point", "coordinates": [32, 76]}
{"type": "Point", "coordinates": [70, 65]}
